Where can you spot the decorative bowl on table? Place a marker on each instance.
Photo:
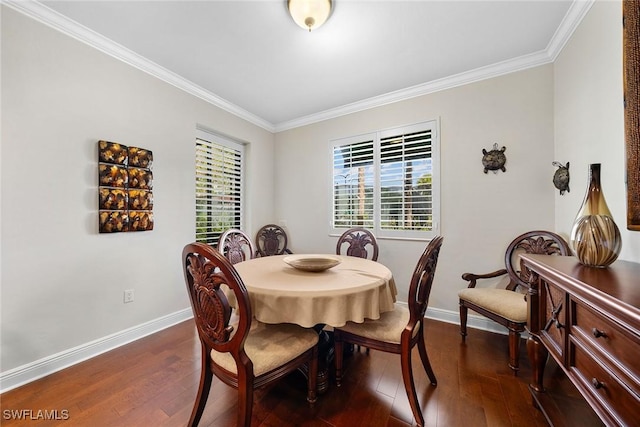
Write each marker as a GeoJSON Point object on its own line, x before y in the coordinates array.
{"type": "Point", "coordinates": [314, 263]}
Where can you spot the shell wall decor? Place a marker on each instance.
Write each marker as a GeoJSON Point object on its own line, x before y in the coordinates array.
{"type": "Point", "coordinates": [125, 184]}
{"type": "Point", "coordinates": [561, 177]}
{"type": "Point", "coordinates": [495, 159]}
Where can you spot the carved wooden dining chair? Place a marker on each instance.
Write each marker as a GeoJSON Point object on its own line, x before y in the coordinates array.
{"type": "Point", "coordinates": [241, 353]}
{"type": "Point", "coordinates": [400, 330]}
{"type": "Point", "coordinates": [272, 240]}
{"type": "Point", "coordinates": [236, 246]}
{"type": "Point", "coordinates": [508, 305]}
{"type": "Point", "coordinates": [359, 242]}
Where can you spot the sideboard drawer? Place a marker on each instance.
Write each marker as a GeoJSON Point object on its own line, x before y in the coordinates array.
{"type": "Point", "coordinates": [612, 397]}
{"type": "Point", "coordinates": [615, 342]}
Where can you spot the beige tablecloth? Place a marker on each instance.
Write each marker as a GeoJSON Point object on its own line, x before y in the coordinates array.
{"type": "Point", "coordinates": [351, 291]}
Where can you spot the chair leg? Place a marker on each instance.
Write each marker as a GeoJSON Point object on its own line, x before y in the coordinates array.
{"type": "Point", "coordinates": [338, 356]}
{"type": "Point", "coordinates": [245, 398]}
{"type": "Point", "coordinates": [206, 378]}
{"type": "Point", "coordinates": [313, 377]}
{"type": "Point", "coordinates": [424, 357]}
{"type": "Point", "coordinates": [463, 321]}
{"type": "Point", "coordinates": [514, 350]}
{"type": "Point", "coordinates": [410, 387]}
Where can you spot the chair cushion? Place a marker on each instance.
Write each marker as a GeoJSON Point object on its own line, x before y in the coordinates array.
{"type": "Point", "coordinates": [387, 329]}
{"type": "Point", "coordinates": [508, 304]}
{"type": "Point", "coordinates": [270, 346]}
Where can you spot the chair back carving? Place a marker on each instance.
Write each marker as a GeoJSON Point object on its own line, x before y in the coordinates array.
{"type": "Point", "coordinates": [206, 270]}
{"type": "Point", "coordinates": [272, 240]}
{"type": "Point", "coordinates": [422, 282]}
{"type": "Point", "coordinates": [360, 241]}
{"type": "Point", "coordinates": [236, 246]}
{"type": "Point", "coordinates": [537, 242]}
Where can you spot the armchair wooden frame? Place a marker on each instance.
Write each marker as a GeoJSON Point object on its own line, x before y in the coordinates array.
{"type": "Point", "coordinates": [474, 298]}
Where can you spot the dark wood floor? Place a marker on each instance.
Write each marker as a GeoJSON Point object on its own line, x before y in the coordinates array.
{"type": "Point", "coordinates": [153, 381]}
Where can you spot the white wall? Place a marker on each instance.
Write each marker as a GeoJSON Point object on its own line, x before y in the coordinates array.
{"type": "Point", "coordinates": [481, 213]}
{"type": "Point", "coordinates": [589, 118]}
{"type": "Point", "coordinates": [62, 282]}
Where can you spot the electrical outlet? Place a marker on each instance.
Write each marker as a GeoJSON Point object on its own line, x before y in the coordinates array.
{"type": "Point", "coordinates": [128, 295]}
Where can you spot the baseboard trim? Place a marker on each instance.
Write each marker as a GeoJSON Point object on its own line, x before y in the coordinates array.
{"type": "Point", "coordinates": [473, 321]}
{"type": "Point", "coordinates": [40, 368]}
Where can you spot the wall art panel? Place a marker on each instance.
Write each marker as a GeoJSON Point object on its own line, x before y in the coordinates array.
{"type": "Point", "coordinates": [125, 180]}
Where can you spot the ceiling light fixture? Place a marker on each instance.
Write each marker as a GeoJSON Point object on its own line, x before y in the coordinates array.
{"type": "Point", "coordinates": [309, 14]}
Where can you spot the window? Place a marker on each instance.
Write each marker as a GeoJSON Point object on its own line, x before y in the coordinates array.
{"type": "Point", "coordinates": [388, 181]}
{"type": "Point", "coordinates": [219, 201]}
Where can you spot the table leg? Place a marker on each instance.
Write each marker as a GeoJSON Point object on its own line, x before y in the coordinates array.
{"type": "Point", "coordinates": [326, 353]}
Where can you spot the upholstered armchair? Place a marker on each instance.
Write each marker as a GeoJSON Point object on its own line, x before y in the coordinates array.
{"type": "Point", "coordinates": [507, 305]}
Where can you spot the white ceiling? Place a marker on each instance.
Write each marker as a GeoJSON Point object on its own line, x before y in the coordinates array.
{"type": "Point", "coordinates": [251, 58]}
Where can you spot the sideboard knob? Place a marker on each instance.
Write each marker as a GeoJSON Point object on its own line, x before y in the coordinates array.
{"type": "Point", "coordinates": [598, 333]}
{"type": "Point", "coordinates": [596, 384]}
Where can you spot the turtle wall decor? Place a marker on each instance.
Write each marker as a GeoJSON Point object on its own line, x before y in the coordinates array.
{"type": "Point", "coordinates": [494, 160]}
{"type": "Point", "coordinates": [561, 177]}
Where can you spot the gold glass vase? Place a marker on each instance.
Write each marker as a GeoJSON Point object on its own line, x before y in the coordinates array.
{"type": "Point", "coordinates": [595, 237]}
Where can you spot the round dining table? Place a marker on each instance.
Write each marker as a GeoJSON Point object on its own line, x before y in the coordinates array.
{"type": "Point", "coordinates": [354, 290]}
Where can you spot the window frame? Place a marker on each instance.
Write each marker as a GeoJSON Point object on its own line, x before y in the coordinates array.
{"type": "Point", "coordinates": [376, 136]}
{"type": "Point", "coordinates": [215, 139]}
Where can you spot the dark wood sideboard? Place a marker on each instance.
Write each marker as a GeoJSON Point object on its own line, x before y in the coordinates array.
{"type": "Point", "coordinates": [588, 320]}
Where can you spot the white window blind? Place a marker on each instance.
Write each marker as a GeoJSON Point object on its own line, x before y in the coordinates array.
{"type": "Point", "coordinates": [219, 186]}
{"type": "Point", "coordinates": [352, 184]}
{"type": "Point", "coordinates": [388, 181]}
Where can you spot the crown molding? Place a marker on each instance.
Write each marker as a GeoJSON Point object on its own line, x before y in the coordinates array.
{"type": "Point", "coordinates": [51, 18]}
{"type": "Point", "coordinates": [461, 79]}
{"type": "Point", "coordinates": [570, 22]}
{"type": "Point", "coordinates": [57, 21]}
